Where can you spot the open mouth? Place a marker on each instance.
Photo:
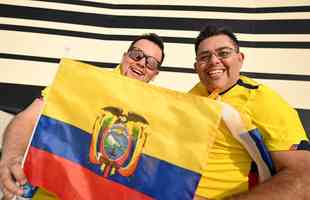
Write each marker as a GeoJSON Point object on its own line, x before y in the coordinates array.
{"type": "Point", "coordinates": [215, 73]}
{"type": "Point", "coordinates": [137, 71]}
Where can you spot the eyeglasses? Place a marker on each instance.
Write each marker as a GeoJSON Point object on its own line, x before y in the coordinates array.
{"type": "Point", "coordinates": [137, 54]}
{"type": "Point", "coordinates": [221, 53]}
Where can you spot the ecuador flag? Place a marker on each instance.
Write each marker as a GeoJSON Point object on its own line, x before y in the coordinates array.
{"type": "Point", "coordinates": [105, 136]}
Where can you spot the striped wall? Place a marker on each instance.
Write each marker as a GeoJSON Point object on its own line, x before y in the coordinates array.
{"type": "Point", "coordinates": [34, 35]}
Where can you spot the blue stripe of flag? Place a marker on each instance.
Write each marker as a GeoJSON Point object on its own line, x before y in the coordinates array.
{"type": "Point", "coordinates": [156, 178]}
{"type": "Point", "coordinates": [257, 138]}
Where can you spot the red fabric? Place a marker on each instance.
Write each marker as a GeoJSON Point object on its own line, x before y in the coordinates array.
{"type": "Point", "coordinates": [43, 169]}
{"type": "Point", "coordinates": [253, 179]}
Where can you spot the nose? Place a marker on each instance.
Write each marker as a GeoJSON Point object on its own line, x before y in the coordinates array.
{"type": "Point", "coordinates": [214, 59]}
{"type": "Point", "coordinates": [141, 62]}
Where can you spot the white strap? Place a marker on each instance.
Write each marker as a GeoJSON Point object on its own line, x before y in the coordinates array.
{"type": "Point", "coordinates": [236, 126]}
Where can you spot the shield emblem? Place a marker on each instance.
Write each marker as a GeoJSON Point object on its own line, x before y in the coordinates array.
{"type": "Point", "coordinates": [116, 145]}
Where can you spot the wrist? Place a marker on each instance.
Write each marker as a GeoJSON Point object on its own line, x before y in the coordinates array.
{"type": "Point", "coordinates": [12, 159]}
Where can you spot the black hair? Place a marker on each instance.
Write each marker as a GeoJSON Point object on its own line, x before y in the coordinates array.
{"type": "Point", "coordinates": [153, 37]}
{"type": "Point", "coordinates": [209, 31]}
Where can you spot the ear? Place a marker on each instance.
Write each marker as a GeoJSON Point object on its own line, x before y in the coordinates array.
{"type": "Point", "coordinates": [124, 55]}
{"type": "Point", "coordinates": [154, 76]}
{"type": "Point", "coordinates": [195, 67]}
{"type": "Point", "coordinates": [122, 61]}
{"type": "Point", "coordinates": [241, 57]}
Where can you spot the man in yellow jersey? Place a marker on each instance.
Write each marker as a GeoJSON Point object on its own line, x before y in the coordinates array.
{"type": "Point", "coordinates": [218, 64]}
{"type": "Point", "coordinates": [141, 61]}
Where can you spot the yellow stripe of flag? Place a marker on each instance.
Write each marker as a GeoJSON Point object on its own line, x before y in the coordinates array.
{"type": "Point", "coordinates": [181, 129]}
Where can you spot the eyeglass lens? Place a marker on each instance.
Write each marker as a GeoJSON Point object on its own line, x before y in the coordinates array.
{"type": "Point", "coordinates": [137, 54]}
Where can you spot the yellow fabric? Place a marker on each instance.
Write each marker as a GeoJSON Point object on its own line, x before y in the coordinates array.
{"type": "Point", "coordinates": [173, 112]}
{"type": "Point", "coordinates": [44, 92]}
{"type": "Point", "coordinates": [184, 113]}
{"type": "Point", "coordinates": [228, 163]}
{"type": "Point", "coordinates": [42, 194]}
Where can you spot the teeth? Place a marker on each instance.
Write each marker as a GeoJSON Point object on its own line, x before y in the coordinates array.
{"type": "Point", "coordinates": [215, 71]}
{"type": "Point", "coordinates": [137, 72]}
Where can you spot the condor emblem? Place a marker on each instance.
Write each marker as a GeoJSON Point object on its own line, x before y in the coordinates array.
{"type": "Point", "coordinates": [117, 141]}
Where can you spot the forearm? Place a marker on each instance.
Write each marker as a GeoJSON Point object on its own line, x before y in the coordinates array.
{"type": "Point", "coordinates": [291, 182]}
{"type": "Point", "coordinates": [15, 138]}
{"type": "Point", "coordinates": [19, 130]}
{"type": "Point", "coordinates": [286, 185]}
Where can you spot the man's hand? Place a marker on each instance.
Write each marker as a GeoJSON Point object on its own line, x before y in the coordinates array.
{"type": "Point", "coordinates": [11, 177]}
{"type": "Point", "coordinates": [15, 140]}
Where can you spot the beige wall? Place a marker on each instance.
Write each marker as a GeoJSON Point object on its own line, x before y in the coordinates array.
{"type": "Point", "coordinates": [266, 60]}
{"type": "Point", "coordinates": [4, 120]}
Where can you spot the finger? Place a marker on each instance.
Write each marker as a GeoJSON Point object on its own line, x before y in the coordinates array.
{"type": "Point", "coordinates": [10, 185]}
{"type": "Point", "coordinates": [7, 180]}
{"type": "Point", "coordinates": [7, 195]}
{"type": "Point", "coordinates": [18, 173]}
{"type": "Point", "coordinates": [5, 176]}
{"type": "Point", "coordinates": [4, 171]}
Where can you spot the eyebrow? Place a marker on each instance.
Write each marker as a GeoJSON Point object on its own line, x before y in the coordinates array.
{"type": "Point", "coordinates": [220, 48]}
{"type": "Point", "coordinates": [133, 47]}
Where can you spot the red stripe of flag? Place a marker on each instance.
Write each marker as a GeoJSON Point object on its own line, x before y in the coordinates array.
{"type": "Point", "coordinates": [69, 180]}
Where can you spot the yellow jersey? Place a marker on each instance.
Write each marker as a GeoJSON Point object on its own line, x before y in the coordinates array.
{"type": "Point", "coordinates": [229, 163]}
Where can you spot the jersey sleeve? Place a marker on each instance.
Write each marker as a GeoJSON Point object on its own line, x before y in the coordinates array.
{"type": "Point", "coordinates": [276, 119]}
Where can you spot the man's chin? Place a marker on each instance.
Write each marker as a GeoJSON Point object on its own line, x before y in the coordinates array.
{"type": "Point", "coordinates": [135, 76]}
{"type": "Point", "coordinates": [215, 85]}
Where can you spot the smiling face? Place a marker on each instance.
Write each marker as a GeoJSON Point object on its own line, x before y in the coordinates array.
{"type": "Point", "coordinates": [139, 69]}
{"type": "Point", "coordinates": [218, 63]}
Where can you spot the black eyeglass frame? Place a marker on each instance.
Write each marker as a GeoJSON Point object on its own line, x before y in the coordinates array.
{"type": "Point", "coordinates": [206, 56]}
{"type": "Point", "coordinates": [141, 55]}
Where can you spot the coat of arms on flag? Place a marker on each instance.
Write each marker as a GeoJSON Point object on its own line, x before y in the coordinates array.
{"type": "Point", "coordinates": [117, 141]}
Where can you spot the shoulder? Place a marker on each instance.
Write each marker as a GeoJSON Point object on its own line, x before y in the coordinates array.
{"type": "Point", "coordinates": [264, 97]}
{"type": "Point", "coordinates": [264, 101]}
{"type": "Point", "coordinates": [248, 83]}
{"type": "Point", "coordinates": [278, 121]}
{"type": "Point", "coordinates": [260, 94]}
{"type": "Point", "coordinates": [240, 93]}
{"type": "Point", "coordinates": [199, 89]}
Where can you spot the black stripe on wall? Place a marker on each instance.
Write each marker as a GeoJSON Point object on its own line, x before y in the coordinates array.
{"type": "Point", "coordinates": [185, 8]}
{"type": "Point", "coordinates": [297, 26]}
{"type": "Point", "coordinates": [16, 97]}
{"type": "Point", "coordinates": [305, 119]}
{"type": "Point", "coordinates": [52, 60]}
{"type": "Point", "coordinates": [182, 40]}
{"type": "Point", "coordinates": [291, 77]}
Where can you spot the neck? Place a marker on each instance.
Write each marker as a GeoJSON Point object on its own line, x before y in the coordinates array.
{"type": "Point", "coordinates": [222, 90]}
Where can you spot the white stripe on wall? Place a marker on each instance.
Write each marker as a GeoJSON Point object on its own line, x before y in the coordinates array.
{"type": "Point", "coordinates": [135, 31]}
{"type": "Point", "coordinates": [220, 3]}
{"type": "Point", "coordinates": [160, 13]}
{"type": "Point", "coordinates": [271, 60]}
